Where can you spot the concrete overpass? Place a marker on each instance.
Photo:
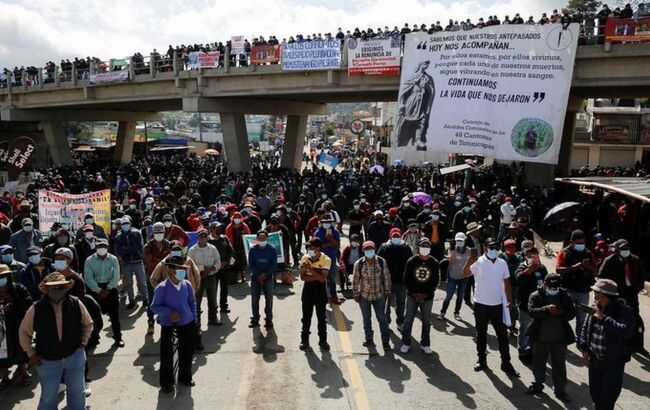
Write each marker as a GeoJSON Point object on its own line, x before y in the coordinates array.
{"type": "Point", "coordinates": [614, 71]}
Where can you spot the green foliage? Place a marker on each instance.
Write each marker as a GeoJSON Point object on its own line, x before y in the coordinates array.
{"type": "Point", "coordinates": [583, 6]}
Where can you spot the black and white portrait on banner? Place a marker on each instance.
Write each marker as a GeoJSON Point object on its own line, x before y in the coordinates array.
{"type": "Point", "coordinates": [414, 108]}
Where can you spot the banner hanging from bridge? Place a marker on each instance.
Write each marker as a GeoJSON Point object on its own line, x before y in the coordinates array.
{"type": "Point", "coordinates": [70, 209]}
{"type": "Point", "coordinates": [374, 57]}
{"type": "Point", "coordinates": [311, 55]}
{"type": "Point", "coordinates": [627, 30]}
{"type": "Point", "coordinates": [200, 59]}
{"type": "Point", "coordinates": [500, 92]}
{"type": "Point", "coordinates": [266, 54]}
{"type": "Point", "coordinates": [109, 77]}
{"type": "Point", "coordinates": [237, 45]}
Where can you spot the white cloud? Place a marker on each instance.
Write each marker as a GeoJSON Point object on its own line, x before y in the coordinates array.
{"type": "Point", "coordinates": [40, 30]}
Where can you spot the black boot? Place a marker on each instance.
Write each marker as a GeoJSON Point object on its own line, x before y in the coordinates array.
{"type": "Point", "coordinates": [324, 346]}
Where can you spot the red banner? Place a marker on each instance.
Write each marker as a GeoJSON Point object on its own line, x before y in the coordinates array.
{"type": "Point", "coordinates": [627, 30]}
{"type": "Point", "coordinates": [266, 54]}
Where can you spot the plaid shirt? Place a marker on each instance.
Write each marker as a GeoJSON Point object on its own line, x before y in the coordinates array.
{"type": "Point", "coordinates": [593, 336]}
{"type": "Point", "coordinates": [371, 280]}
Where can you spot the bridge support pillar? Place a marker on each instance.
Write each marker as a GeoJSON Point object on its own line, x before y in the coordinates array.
{"type": "Point", "coordinates": [294, 142]}
{"type": "Point", "coordinates": [125, 139]}
{"type": "Point", "coordinates": [235, 141]}
{"type": "Point", "coordinates": [57, 143]}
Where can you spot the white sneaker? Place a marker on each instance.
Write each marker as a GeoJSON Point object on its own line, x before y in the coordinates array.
{"type": "Point", "coordinates": [62, 388]}
{"type": "Point", "coordinates": [405, 349]}
{"type": "Point", "coordinates": [88, 391]}
{"type": "Point", "coordinates": [427, 350]}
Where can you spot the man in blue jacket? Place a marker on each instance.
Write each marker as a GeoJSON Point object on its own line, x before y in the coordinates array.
{"type": "Point", "coordinates": [129, 248]}
{"type": "Point", "coordinates": [262, 263]}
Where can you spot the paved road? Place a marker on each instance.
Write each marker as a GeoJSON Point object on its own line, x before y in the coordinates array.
{"type": "Point", "coordinates": [255, 369]}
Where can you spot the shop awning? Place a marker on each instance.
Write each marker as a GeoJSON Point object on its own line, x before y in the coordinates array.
{"type": "Point", "coordinates": [633, 187]}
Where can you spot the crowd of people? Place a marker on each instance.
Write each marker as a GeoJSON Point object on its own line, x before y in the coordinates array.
{"type": "Point", "coordinates": [592, 28]}
{"type": "Point", "coordinates": [407, 233]}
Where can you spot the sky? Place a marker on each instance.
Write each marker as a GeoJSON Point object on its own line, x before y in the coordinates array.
{"type": "Point", "coordinates": [36, 31]}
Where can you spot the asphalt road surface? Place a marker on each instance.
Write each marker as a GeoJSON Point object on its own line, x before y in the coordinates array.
{"type": "Point", "coordinates": [259, 369]}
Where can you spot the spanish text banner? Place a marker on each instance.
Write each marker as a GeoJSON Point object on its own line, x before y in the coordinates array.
{"type": "Point", "coordinates": [70, 209]}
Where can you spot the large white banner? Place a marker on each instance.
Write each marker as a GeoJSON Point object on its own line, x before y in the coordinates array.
{"type": "Point", "coordinates": [500, 92]}
{"type": "Point", "coordinates": [311, 55]}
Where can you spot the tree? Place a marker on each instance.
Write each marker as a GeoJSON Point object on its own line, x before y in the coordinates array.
{"type": "Point", "coordinates": [583, 6]}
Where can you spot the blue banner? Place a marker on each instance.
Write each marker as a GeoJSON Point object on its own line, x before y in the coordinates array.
{"type": "Point", "coordinates": [311, 55]}
{"type": "Point", "coordinates": [329, 160]}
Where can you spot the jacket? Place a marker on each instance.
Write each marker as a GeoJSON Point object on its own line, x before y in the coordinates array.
{"type": "Point", "coordinates": [129, 247]}
{"type": "Point", "coordinates": [536, 310]}
{"type": "Point", "coordinates": [619, 324]}
{"type": "Point", "coordinates": [153, 254]}
{"type": "Point", "coordinates": [613, 268]}
{"type": "Point", "coordinates": [262, 261]}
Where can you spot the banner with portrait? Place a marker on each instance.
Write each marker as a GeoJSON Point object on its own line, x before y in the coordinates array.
{"type": "Point", "coordinates": [274, 239]}
{"type": "Point", "coordinates": [500, 91]}
{"type": "Point", "coordinates": [70, 209]}
{"type": "Point", "coordinates": [266, 54]}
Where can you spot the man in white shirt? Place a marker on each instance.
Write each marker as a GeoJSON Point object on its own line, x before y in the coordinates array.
{"type": "Point", "coordinates": [492, 291]}
{"type": "Point", "coordinates": [207, 259]}
{"type": "Point", "coordinates": [508, 214]}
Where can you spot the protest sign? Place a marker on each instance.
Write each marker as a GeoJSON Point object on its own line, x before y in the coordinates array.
{"type": "Point", "coordinates": [274, 239]}
{"type": "Point", "coordinates": [200, 59]}
{"type": "Point", "coordinates": [311, 55]}
{"type": "Point", "coordinates": [268, 54]}
{"type": "Point", "coordinates": [17, 155]}
{"type": "Point", "coordinates": [237, 44]}
{"type": "Point", "coordinates": [329, 160]}
{"type": "Point", "coordinates": [70, 209]}
{"type": "Point", "coordinates": [374, 57]}
{"type": "Point", "coordinates": [500, 91]}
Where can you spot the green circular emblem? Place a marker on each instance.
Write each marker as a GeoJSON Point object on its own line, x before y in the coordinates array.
{"type": "Point", "coordinates": [531, 137]}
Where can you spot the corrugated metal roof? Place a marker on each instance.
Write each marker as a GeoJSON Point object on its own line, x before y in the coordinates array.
{"type": "Point", "coordinates": [637, 188]}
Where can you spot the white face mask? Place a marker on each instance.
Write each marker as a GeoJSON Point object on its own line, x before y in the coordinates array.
{"type": "Point", "coordinates": [327, 226]}
{"type": "Point", "coordinates": [237, 221]}
{"type": "Point", "coordinates": [167, 224]}
{"type": "Point", "coordinates": [354, 244]}
{"type": "Point", "coordinates": [89, 235]}
{"type": "Point", "coordinates": [311, 253]}
{"type": "Point", "coordinates": [425, 251]}
{"type": "Point", "coordinates": [625, 253]}
{"type": "Point", "coordinates": [90, 221]}
{"type": "Point", "coordinates": [435, 217]}
{"type": "Point", "coordinates": [158, 236]}
{"type": "Point", "coordinates": [102, 251]}
{"type": "Point", "coordinates": [262, 244]}
{"type": "Point", "coordinates": [176, 254]}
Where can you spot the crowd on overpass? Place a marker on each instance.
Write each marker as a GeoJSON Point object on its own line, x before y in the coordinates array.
{"type": "Point", "coordinates": [386, 238]}
{"type": "Point", "coordinates": [592, 30]}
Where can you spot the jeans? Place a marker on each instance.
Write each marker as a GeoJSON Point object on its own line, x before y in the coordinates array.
{"type": "Point", "coordinates": [485, 314]}
{"type": "Point", "coordinates": [185, 338]}
{"type": "Point", "coordinates": [331, 280]}
{"type": "Point", "coordinates": [223, 281]}
{"type": "Point", "coordinates": [209, 288]}
{"type": "Point", "coordinates": [411, 310]}
{"type": "Point", "coordinates": [557, 351]}
{"type": "Point", "coordinates": [137, 268]}
{"type": "Point", "coordinates": [581, 314]}
{"type": "Point", "coordinates": [50, 373]}
{"type": "Point", "coordinates": [456, 286]}
{"type": "Point", "coordinates": [523, 340]}
{"type": "Point", "coordinates": [378, 306]}
{"type": "Point", "coordinates": [398, 294]}
{"type": "Point", "coordinates": [314, 297]}
{"type": "Point", "coordinates": [111, 306]}
{"type": "Point", "coordinates": [257, 289]}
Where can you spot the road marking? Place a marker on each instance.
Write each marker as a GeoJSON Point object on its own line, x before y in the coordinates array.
{"type": "Point", "coordinates": [358, 389]}
{"type": "Point", "coordinates": [246, 377]}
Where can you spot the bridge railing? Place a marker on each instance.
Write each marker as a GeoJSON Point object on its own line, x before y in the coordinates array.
{"type": "Point", "coordinates": [592, 32]}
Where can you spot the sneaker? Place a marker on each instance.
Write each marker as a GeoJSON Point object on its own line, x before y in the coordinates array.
{"type": "Point", "coordinates": [118, 343]}
{"type": "Point", "coordinates": [369, 344]}
{"type": "Point", "coordinates": [62, 388]}
{"type": "Point", "coordinates": [427, 350]}
{"type": "Point", "coordinates": [268, 324]}
{"type": "Point", "coordinates": [88, 391]}
{"type": "Point", "coordinates": [457, 316]}
{"type": "Point", "coordinates": [405, 349]}
{"type": "Point", "coordinates": [441, 316]}
{"type": "Point", "coordinates": [254, 323]}
{"type": "Point", "coordinates": [304, 346]}
{"type": "Point", "coordinates": [324, 346]}
{"type": "Point", "coordinates": [480, 366]}
{"type": "Point", "coordinates": [509, 370]}
{"type": "Point", "coordinates": [535, 389]}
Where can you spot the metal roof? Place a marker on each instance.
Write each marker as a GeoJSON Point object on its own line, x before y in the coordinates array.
{"type": "Point", "coordinates": [634, 187]}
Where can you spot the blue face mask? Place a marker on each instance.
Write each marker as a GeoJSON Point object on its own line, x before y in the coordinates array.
{"type": "Point", "coordinates": [126, 228]}
{"type": "Point", "coordinates": [492, 253]}
{"type": "Point", "coordinates": [579, 247]}
{"type": "Point", "coordinates": [369, 253]}
{"type": "Point", "coordinates": [181, 275]}
{"type": "Point", "coordinates": [396, 241]}
{"type": "Point", "coordinates": [60, 265]}
{"type": "Point", "coordinates": [8, 258]}
{"type": "Point", "coordinates": [35, 259]}
{"type": "Point", "coordinates": [3, 282]}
